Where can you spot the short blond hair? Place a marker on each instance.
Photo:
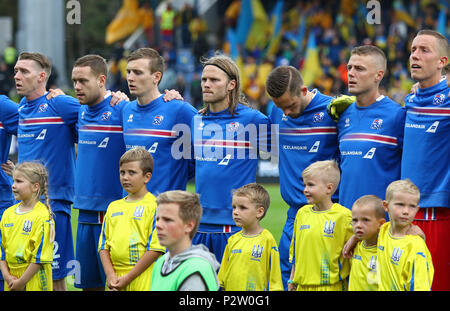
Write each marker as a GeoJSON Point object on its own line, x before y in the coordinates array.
{"type": "Point", "coordinates": [373, 202]}
{"type": "Point", "coordinates": [256, 194]}
{"type": "Point", "coordinates": [188, 203]}
{"type": "Point", "coordinates": [139, 154]}
{"type": "Point", "coordinates": [327, 170]}
{"type": "Point", "coordinates": [403, 185]}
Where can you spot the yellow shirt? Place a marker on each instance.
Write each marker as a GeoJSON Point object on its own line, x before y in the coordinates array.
{"type": "Point", "coordinates": [129, 231]}
{"type": "Point", "coordinates": [363, 271]}
{"type": "Point", "coordinates": [251, 263]}
{"type": "Point", "coordinates": [404, 263]}
{"type": "Point", "coordinates": [317, 243]}
{"type": "Point", "coordinates": [25, 238]}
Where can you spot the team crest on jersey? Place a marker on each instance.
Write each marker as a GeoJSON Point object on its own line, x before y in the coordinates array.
{"type": "Point", "coordinates": [347, 122]}
{"type": "Point", "coordinates": [105, 116]}
{"type": "Point", "coordinates": [139, 211]}
{"type": "Point", "coordinates": [318, 117]}
{"type": "Point", "coordinates": [376, 124]}
{"type": "Point", "coordinates": [328, 229]}
{"type": "Point", "coordinates": [372, 264]}
{"type": "Point", "coordinates": [27, 226]}
{"type": "Point", "coordinates": [43, 107]}
{"type": "Point", "coordinates": [158, 120]}
{"type": "Point", "coordinates": [257, 252]}
{"type": "Point", "coordinates": [438, 99]}
{"type": "Point", "coordinates": [233, 126]}
{"type": "Point", "coordinates": [396, 254]}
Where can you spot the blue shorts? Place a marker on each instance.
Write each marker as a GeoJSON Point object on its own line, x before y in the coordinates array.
{"type": "Point", "coordinates": [215, 238]}
{"type": "Point", "coordinates": [92, 274]}
{"type": "Point", "coordinates": [63, 253]}
{"type": "Point", "coordinates": [285, 244]}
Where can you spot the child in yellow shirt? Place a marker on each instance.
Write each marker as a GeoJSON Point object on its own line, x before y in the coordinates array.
{"type": "Point", "coordinates": [321, 229]}
{"type": "Point", "coordinates": [251, 261]}
{"type": "Point", "coordinates": [128, 244]}
{"type": "Point", "coordinates": [27, 232]}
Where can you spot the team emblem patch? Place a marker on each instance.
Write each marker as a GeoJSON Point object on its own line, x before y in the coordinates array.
{"type": "Point", "coordinates": [438, 99]}
{"type": "Point", "coordinates": [233, 126]}
{"type": "Point", "coordinates": [105, 116]}
{"type": "Point", "coordinates": [318, 117]}
{"type": "Point", "coordinates": [376, 124]}
{"type": "Point", "coordinates": [43, 108]}
{"type": "Point", "coordinates": [158, 120]}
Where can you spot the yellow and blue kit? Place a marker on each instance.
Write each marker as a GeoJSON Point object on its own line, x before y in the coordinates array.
{"type": "Point", "coordinates": [128, 232]}
{"type": "Point", "coordinates": [251, 263]}
{"type": "Point", "coordinates": [25, 238]}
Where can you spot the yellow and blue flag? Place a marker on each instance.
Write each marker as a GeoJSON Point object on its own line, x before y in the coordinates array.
{"type": "Point", "coordinates": [311, 67]}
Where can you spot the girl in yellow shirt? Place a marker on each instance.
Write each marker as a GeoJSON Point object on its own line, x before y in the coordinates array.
{"type": "Point", "coordinates": [27, 232]}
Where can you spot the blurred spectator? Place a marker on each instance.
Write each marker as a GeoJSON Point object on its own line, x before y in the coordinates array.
{"type": "Point", "coordinates": [184, 18]}
{"type": "Point", "coordinates": [232, 13]}
{"type": "Point", "coordinates": [167, 24]}
{"type": "Point", "coordinates": [6, 79]}
{"type": "Point", "coordinates": [169, 78]}
{"type": "Point", "coordinates": [180, 84]}
{"type": "Point", "coordinates": [196, 91]}
{"type": "Point", "coordinates": [147, 17]}
{"type": "Point", "coordinates": [10, 57]}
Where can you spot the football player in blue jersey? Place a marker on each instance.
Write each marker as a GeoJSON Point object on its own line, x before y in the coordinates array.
{"type": "Point", "coordinates": [306, 134]}
{"type": "Point", "coordinates": [46, 132]}
{"type": "Point", "coordinates": [370, 130]}
{"type": "Point", "coordinates": [227, 136]}
{"type": "Point", "coordinates": [8, 127]}
{"type": "Point", "coordinates": [100, 146]}
{"type": "Point", "coordinates": [156, 125]}
{"type": "Point", "coordinates": [426, 147]}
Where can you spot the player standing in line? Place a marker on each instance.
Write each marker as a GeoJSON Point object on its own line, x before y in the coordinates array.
{"type": "Point", "coordinates": [27, 232]}
{"type": "Point", "coordinates": [321, 230]}
{"type": "Point", "coordinates": [370, 130]}
{"type": "Point", "coordinates": [156, 125]}
{"type": "Point", "coordinates": [368, 216]}
{"type": "Point", "coordinates": [47, 132]}
{"type": "Point", "coordinates": [129, 245]}
{"type": "Point", "coordinates": [426, 147]}
{"type": "Point", "coordinates": [100, 146]}
{"type": "Point", "coordinates": [226, 138]}
{"type": "Point", "coordinates": [251, 261]}
{"type": "Point", "coordinates": [8, 127]}
{"type": "Point", "coordinates": [306, 134]}
{"type": "Point", "coordinates": [404, 262]}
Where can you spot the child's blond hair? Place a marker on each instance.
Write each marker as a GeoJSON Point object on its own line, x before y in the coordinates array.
{"type": "Point", "coordinates": [36, 173]}
{"type": "Point", "coordinates": [139, 154]}
{"type": "Point", "coordinates": [403, 185]}
{"type": "Point", "coordinates": [188, 203]}
{"type": "Point", "coordinates": [256, 194]}
{"type": "Point", "coordinates": [327, 170]}
{"type": "Point", "coordinates": [374, 202]}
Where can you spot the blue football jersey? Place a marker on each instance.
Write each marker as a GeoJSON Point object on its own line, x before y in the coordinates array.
{"type": "Point", "coordinates": [9, 117]}
{"type": "Point", "coordinates": [163, 128]}
{"type": "Point", "coordinates": [370, 143]}
{"type": "Point", "coordinates": [100, 146]}
{"type": "Point", "coordinates": [47, 133]}
{"type": "Point", "coordinates": [426, 149]}
{"type": "Point", "coordinates": [226, 157]}
{"type": "Point", "coordinates": [302, 141]}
